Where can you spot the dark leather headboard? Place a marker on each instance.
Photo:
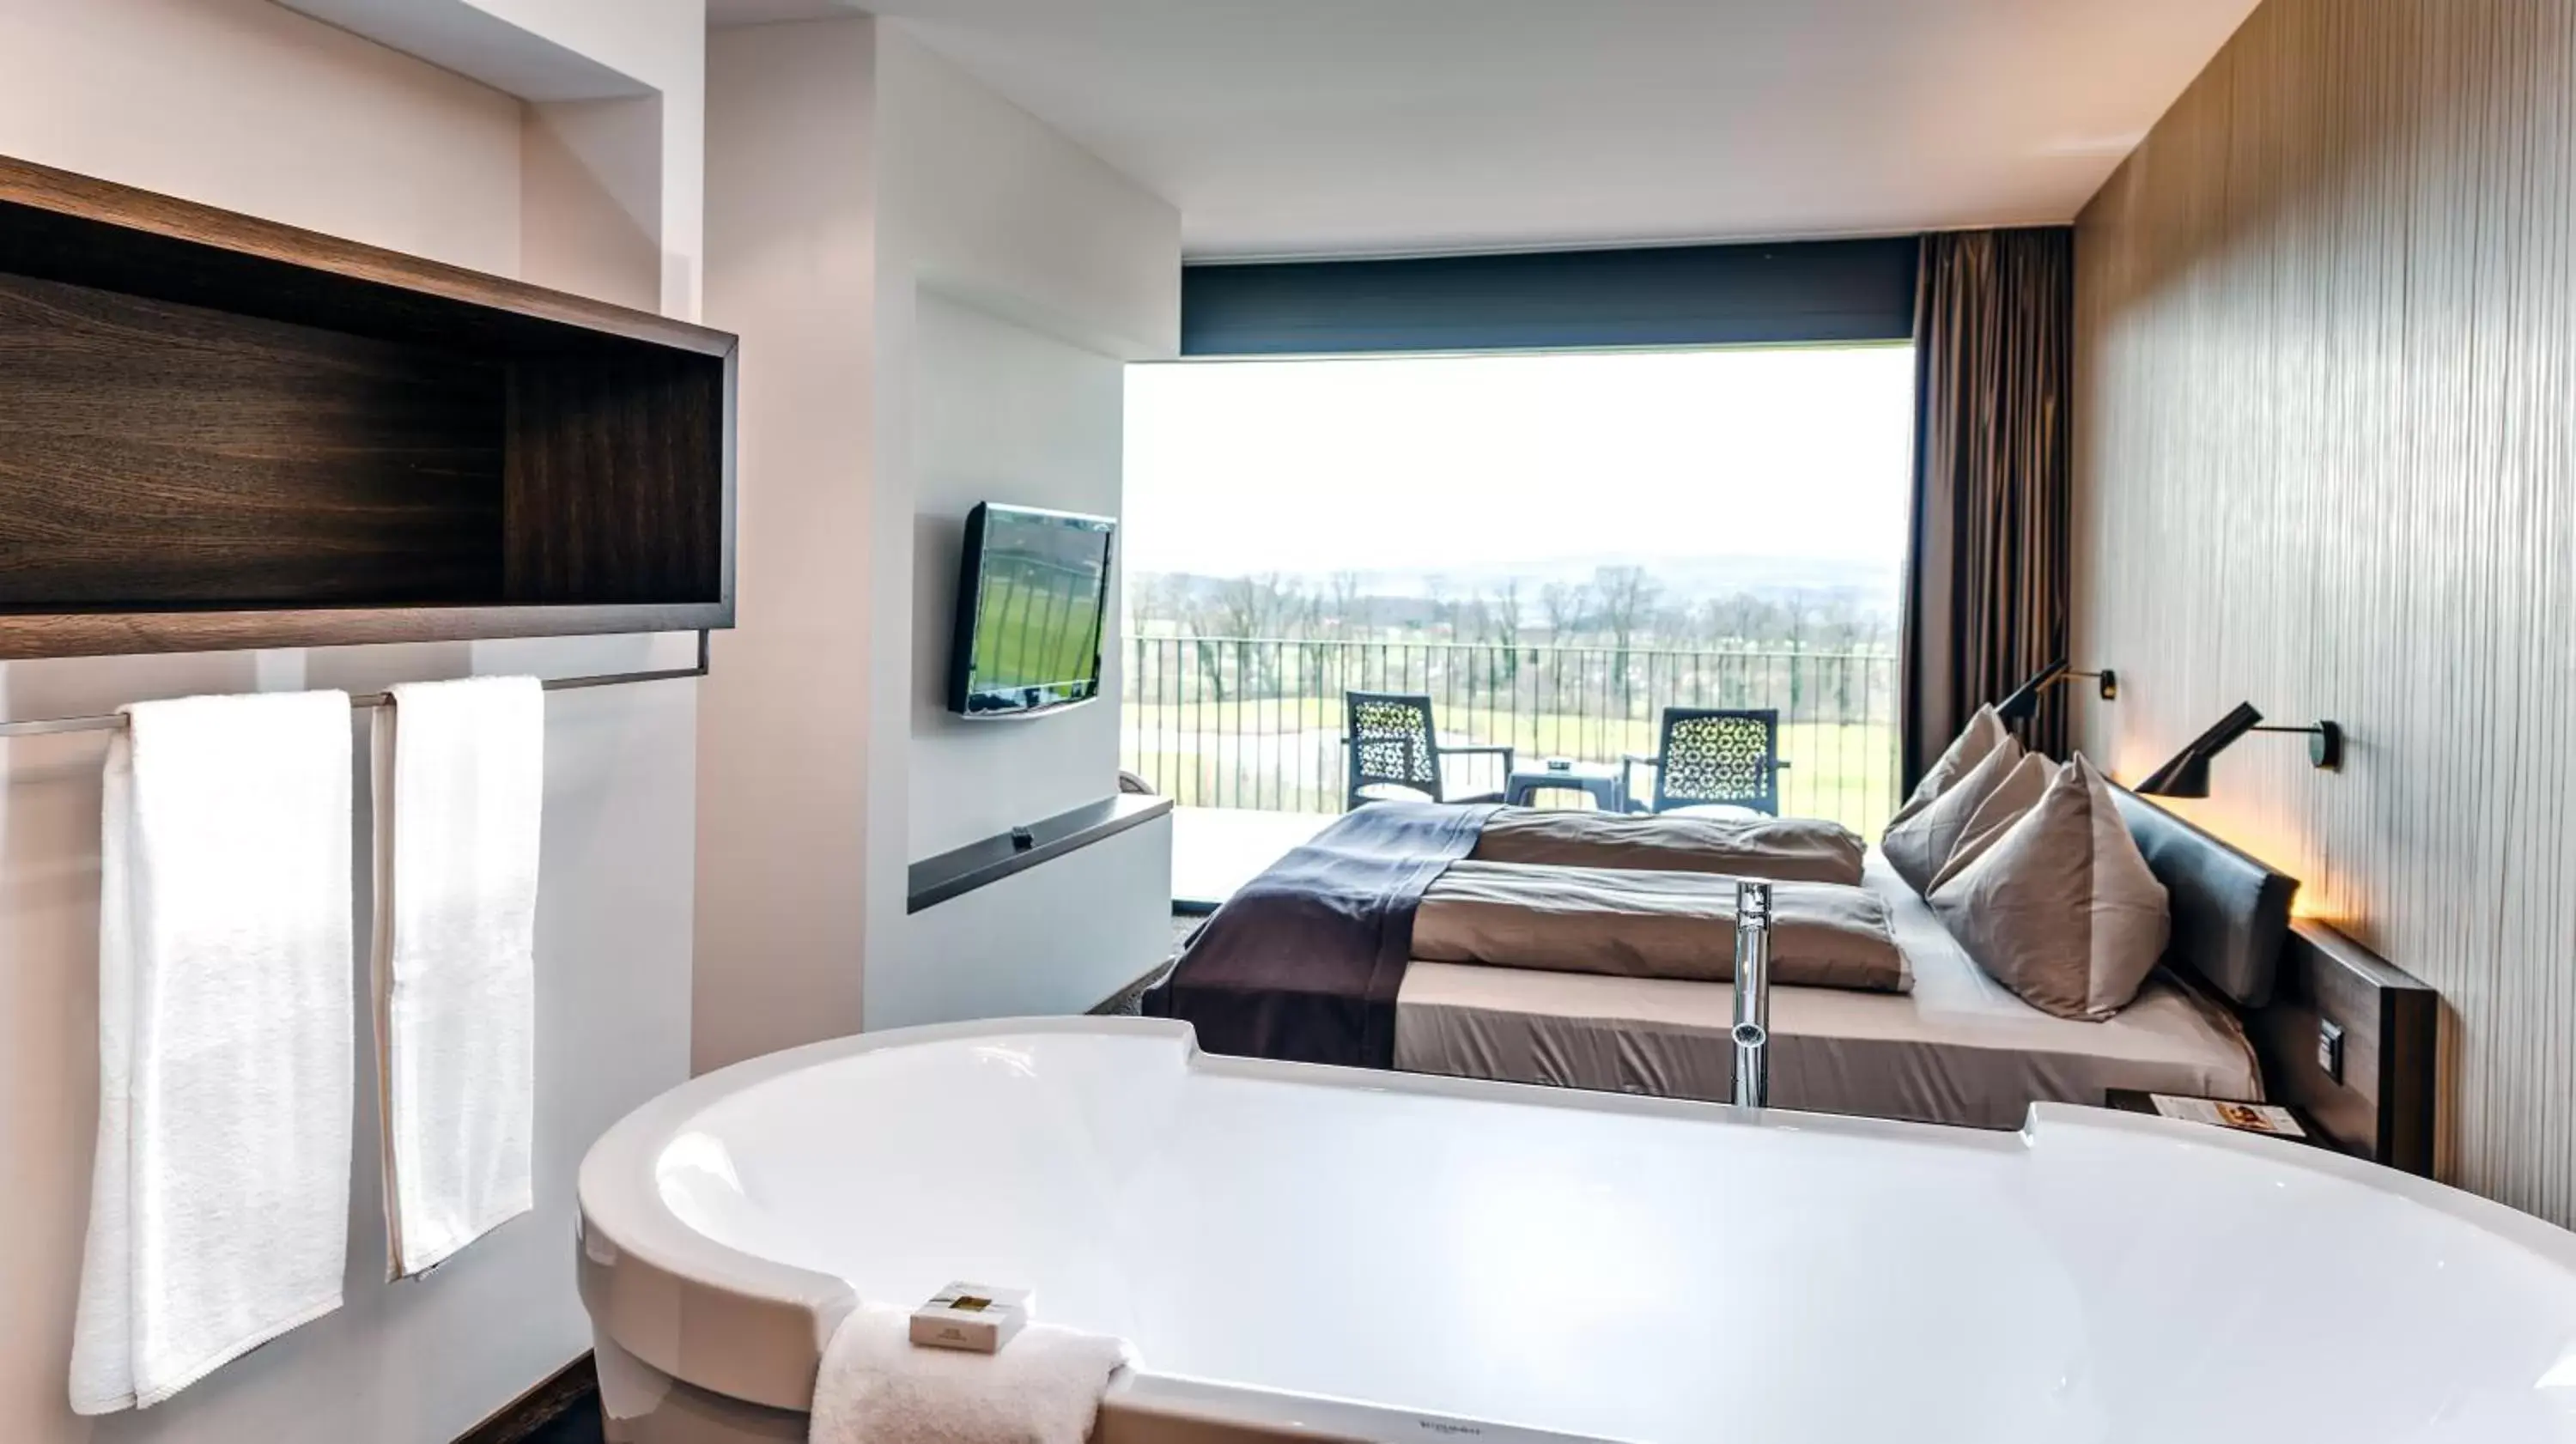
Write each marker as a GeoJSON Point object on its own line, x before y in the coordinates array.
{"type": "Point", "coordinates": [2231, 914]}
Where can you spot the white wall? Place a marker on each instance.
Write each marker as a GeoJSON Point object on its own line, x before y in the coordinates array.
{"type": "Point", "coordinates": [1009, 275]}
{"type": "Point", "coordinates": [1016, 274]}
{"type": "Point", "coordinates": [787, 720]}
{"type": "Point", "coordinates": [1001, 413]}
{"type": "Point", "coordinates": [662, 45]}
{"type": "Point", "coordinates": [590, 198]}
{"type": "Point", "coordinates": [242, 104]}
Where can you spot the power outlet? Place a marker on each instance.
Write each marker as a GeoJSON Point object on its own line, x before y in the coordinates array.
{"type": "Point", "coordinates": [2330, 1049]}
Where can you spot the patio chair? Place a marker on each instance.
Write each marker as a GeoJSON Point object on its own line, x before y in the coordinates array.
{"type": "Point", "coordinates": [1712, 756]}
{"type": "Point", "coordinates": [1392, 744]}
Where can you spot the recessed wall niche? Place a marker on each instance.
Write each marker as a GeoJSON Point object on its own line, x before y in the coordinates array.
{"type": "Point", "coordinates": [217, 431]}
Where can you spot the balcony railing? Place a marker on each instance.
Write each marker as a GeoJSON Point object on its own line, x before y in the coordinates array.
{"type": "Point", "coordinates": [1256, 722]}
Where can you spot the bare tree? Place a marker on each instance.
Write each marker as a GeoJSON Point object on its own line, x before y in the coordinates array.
{"type": "Point", "coordinates": [1501, 614]}
{"type": "Point", "coordinates": [1349, 609]}
{"type": "Point", "coordinates": [1470, 623]}
{"type": "Point", "coordinates": [1157, 597]}
{"type": "Point", "coordinates": [1204, 622]}
{"type": "Point", "coordinates": [1259, 611]}
{"type": "Point", "coordinates": [1564, 607]}
{"type": "Point", "coordinates": [1260, 606]}
{"type": "Point", "coordinates": [1798, 620]}
{"type": "Point", "coordinates": [1627, 599]}
{"type": "Point", "coordinates": [1435, 591]}
{"type": "Point", "coordinates": [1839, 632]}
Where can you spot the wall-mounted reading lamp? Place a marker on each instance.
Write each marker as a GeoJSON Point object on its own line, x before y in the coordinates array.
{"type": "Point", "coordinates": [2025, 698]}
{"type": "Point", "coordinates": [2187, 775]}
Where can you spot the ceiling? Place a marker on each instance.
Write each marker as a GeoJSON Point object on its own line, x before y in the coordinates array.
{"type": "Point", "coordinates": [1380, 127]}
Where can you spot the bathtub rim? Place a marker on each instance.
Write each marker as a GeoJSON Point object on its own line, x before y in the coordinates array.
{"type": "Point", "coordinates": [683, 1292]}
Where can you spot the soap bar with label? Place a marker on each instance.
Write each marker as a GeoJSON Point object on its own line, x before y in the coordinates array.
{"type": "Point", "coordinates": [972, 1317]}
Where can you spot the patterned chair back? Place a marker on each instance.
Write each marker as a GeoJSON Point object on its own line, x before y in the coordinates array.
{"type": "Point", "coordinates": [1391, 743]}
{"type": "Point", "coordinates": [1717, 755]}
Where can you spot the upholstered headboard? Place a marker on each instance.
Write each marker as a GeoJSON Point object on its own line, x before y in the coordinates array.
{"type": "Point", "coordinates": [2342, 1033]}
{"type": "Point", "coordinates": [2230, 912]}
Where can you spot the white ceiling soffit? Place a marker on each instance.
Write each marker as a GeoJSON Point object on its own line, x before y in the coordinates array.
{"type": "Point", "coordinates": [1388, 127]}
{"type": "Point", "coordinates": [724, 14]}
{"type": "Point", "coordinates": [462, 36]}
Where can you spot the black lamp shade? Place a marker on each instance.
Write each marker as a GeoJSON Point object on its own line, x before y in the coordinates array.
{"type": "Point", "coordinates": [2024, 700]}
{"type": "Point", "coordinates": [2187, 775]}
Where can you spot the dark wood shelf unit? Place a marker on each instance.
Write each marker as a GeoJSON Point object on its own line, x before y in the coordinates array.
{"type": "Point", "coordinates": [217, 431]}
{"type": "Point", "coordinates": [982, 863]}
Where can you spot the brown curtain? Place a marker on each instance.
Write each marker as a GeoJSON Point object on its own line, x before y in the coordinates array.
{"type": "Point", "coordinates": [1986, 586]}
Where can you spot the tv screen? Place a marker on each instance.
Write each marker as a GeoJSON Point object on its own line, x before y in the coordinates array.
{"type": "Point", "coordinates": [1032, 589]}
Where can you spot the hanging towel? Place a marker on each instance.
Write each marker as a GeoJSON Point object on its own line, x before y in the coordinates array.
{"type": "Point", "coordinates": [460, 781]}
{"type": "Point", "coordinates": [219, 1201]}
{"type": "Point", "coordinates": [878, 1387]}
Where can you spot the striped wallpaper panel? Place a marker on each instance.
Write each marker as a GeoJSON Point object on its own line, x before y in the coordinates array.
{"type": "Point", "coordinates": [2326, 463]}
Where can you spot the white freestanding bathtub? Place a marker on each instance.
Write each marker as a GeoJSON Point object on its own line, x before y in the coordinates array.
{"type": "Point", "coordinates": [1314, 1253]}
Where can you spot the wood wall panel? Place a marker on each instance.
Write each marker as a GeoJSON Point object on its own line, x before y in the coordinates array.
{"type": "Point", "coordinates": [2326, 462]}
{"type": "Point", "coordinates": [151, 451]}
{"type": "Point", "coordinates": [605, 483]}
{"type": "Point", "coordinates": [216, 431]}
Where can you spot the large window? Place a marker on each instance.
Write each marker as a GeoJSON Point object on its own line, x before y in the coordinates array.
{"type": "Point", "coordinates": [1553, 546]}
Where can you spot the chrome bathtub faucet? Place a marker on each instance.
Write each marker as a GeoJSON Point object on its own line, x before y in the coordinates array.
{"type": "Point", "coordinates": [1752, 994]}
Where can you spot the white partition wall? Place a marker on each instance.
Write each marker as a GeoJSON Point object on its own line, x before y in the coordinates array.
{"type": "Point", "coordinates": [937, 295]}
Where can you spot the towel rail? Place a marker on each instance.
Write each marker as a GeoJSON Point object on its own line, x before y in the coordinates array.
{"type": "Point", "coordinates": [110, 722]}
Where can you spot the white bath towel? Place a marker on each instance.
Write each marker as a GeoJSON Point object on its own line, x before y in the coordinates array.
{"type": "Point", "coordinates": [877, 1387]}
{"type": "Point", "coordinates": [460, 781]}
{"type": "Point", "coordinates": [219, 1203]}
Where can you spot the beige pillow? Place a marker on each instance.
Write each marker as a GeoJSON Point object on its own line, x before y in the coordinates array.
{"type": "Point", "coordinates": [2002, 808]}
{"type": "Point", "coordinates": [1985, 733]}
{"type": "Point", "coordinates": [2061, 908]}
{"type": "Point", "coordinates": [1917, 846]}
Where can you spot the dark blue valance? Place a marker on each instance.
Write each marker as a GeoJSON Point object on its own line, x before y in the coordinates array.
{"type": "Point", "coordinates": [1776, 294]}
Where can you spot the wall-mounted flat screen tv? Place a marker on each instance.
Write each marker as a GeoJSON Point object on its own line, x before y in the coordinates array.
{"type": "Point", "coordinates": [1032, 593]}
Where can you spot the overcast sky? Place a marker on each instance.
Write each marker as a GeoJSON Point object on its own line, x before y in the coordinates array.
{"type": "Point", "coordinates": [1421, 464]}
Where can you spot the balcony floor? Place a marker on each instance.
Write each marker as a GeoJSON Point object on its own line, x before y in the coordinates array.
{"type": "Point", "coordinates": [1218, 849]}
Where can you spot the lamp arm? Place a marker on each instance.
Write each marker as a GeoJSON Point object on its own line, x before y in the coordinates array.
{"type": "Point", "coordinates": [2325, 743]}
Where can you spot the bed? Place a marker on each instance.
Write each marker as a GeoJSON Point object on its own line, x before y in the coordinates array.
{"type": "Point", "coordinates": [2248, 1004]}
{"type": "Point", "coordinates": [1959, 1048]}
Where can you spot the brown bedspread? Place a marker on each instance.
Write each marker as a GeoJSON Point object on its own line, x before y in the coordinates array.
{"type": "Point", "coordinates": [1304, 961]}
{"type": "Point", "coordinates": [1677, 925]}
{"type": "Point", "coordinates": [1783, 849]}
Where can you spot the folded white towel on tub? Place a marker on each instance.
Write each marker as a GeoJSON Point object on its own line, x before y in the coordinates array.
{"type": "Point", "coordinates": [877, 1387]}
{"type": "Point", "coordinates": [460, 783]}
{"type": "Point", "coordinates": [219, 1201]}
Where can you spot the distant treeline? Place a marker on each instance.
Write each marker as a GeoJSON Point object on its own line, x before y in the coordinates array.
{"type": "Point", "coordinates": [1622, 607]}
